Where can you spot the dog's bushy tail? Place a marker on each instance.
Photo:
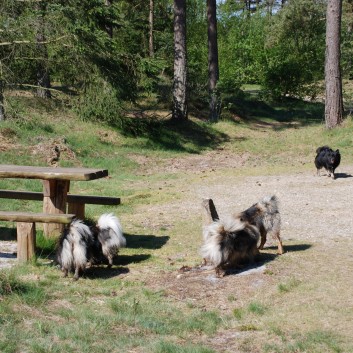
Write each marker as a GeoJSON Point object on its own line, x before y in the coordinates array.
{"type": "Point", "coordinates": [109, 222]}
{"type": "Point", "coordinates": [220, 239]}
{"type": "Point", "coordinates": [73, 245]}
{"type": "Point", "coordinates": [323, 148]}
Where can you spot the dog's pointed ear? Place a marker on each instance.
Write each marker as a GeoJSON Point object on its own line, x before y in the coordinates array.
{"type": "Point", "coordinates": [337, 151]}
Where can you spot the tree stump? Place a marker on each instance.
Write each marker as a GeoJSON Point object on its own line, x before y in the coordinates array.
{"type": "Point", "coordinates": [209, 212]}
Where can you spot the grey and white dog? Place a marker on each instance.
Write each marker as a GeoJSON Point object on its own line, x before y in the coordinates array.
{"type": "Point", "coordinates": [74, 248]}
{"type": "Point", "coordinates": [265, 216]}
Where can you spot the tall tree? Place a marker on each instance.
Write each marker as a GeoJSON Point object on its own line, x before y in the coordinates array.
{"type": "Point", "coordinates": [2, 108]}
{"type": "Point", "coordinates": [213, 70]}
{"type": "Point", "coordinates": [333, 79]}
{"type": "Point", "coordinates": [43, 78]}
{"type": "Point", "coordinates": [179, 111]}
{"type": "Point", "coordinates": [150, 22]}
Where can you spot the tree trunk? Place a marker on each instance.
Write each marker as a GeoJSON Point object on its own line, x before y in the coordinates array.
{"type": "Point", "coordinates": [43, 78]}
{"type": "Point", "coordinates": [333, 80]}
{"type": "Point", "coordinates": [179, 85]}
{"type": "Point", "coordinates": [2, 108]}
{"type": "Point", "coordinates": [109, 27]}
{"type": "Point", "coordinates": [150, 21]}
{"type": "Point", "coordinates": [213, 70]}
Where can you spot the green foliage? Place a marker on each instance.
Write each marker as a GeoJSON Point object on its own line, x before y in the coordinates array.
{"type": "Point", "coordinates": [99, 102]}
{"type": "Point", "coordinates": [197, 50]}
{"type": "Point", "coordinates": [98, 55]}
{"type": "Point", "coordinates": [294, 49]}
{"type": "Point", "coordinates": [346, 40]}
{"type": "Point", "coordinates": [241, 50]}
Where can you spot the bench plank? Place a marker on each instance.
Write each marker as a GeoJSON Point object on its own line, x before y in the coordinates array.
{"type": "Point", "coordinates": [21, 195]}
{"type": "Point", "coordinates": [26, 229]}
{"type": "Point", "coordinates": [14, 216]}
{"type": "Point", "coordinates": [50, 173]}
{"type": "Point", "coordinates": [38, 196]}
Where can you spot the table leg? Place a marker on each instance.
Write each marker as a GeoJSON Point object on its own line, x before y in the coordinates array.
{"type": "Point", "coordinates": [26, 241]}
{"type": "Point", "coordinates": [54, 201]}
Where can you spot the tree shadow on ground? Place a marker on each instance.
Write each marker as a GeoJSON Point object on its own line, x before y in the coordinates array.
{"type": "Point", "coordinates": [280, 115]}
{"type": "Point", "coordinates": [194, 135]}
{"type": "Point", "coordinates": [136, 241]}
{"type": "Point", "coordinates": [188, 135]}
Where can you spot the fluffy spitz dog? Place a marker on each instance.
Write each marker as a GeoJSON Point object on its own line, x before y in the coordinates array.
{"type": "Point", "coordinates": [74, 248]}
{"type": "Point", "coordinates": [328, 159]}
{"type": "Point", "coordinates": [80, 245]}
{"type": "Point", "coordinates": [265, 216]}
{"type": "Point", "coordinates": [108, 237]}
{"type": "Point", "coordinates": [228, 243]}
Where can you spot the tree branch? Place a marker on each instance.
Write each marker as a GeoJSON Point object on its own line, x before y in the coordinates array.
{"type": "Point", "coordinates": [31, 42]}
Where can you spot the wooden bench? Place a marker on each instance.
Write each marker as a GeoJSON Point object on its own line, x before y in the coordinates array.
{"type": "Point", "coordinates": [26, 229]}
{"type": "Point", "coordinates": [76, 203]}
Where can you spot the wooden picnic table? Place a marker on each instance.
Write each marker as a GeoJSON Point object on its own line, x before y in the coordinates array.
{"type": "Point", "coordinates": [56, 185]}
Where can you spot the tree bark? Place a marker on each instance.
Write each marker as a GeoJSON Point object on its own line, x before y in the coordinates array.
{"type": "Point", "coordinates": [150, 21]}
{"type": "Point", "coordinates": [333, 79]}
{"type": "Point", "coordinates": [179, 111]}
{"type": "Point", "coordinates": [109, 27]}
{"type": "Point", "coordinates": [43, 78]}
{"type": "Point", "coordinates": [213, 70]}
{"type": "Point", "coordinates": [2, 108]}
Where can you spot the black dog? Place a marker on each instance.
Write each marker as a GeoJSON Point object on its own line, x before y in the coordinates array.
{"type": "Point", "coordinates": [328, 159]}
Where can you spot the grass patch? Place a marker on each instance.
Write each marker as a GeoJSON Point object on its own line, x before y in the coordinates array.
{"type": "Point", "coordinates": [24, 291]}
{"type": "Point", "coordinates": [238, 313]}
{"type": "Point", "coordinates": [256, 308]}
{"type": "Point", "coordinates": [45, 246]}
{"type": "Point", "coordinates": [314, 341]}
{"type": "Point", "coordinates": [149, 313]}
{"type": "Point", "coordinates": [168, 347]}
{"type": "Point", "coordinates": [288, 286]}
